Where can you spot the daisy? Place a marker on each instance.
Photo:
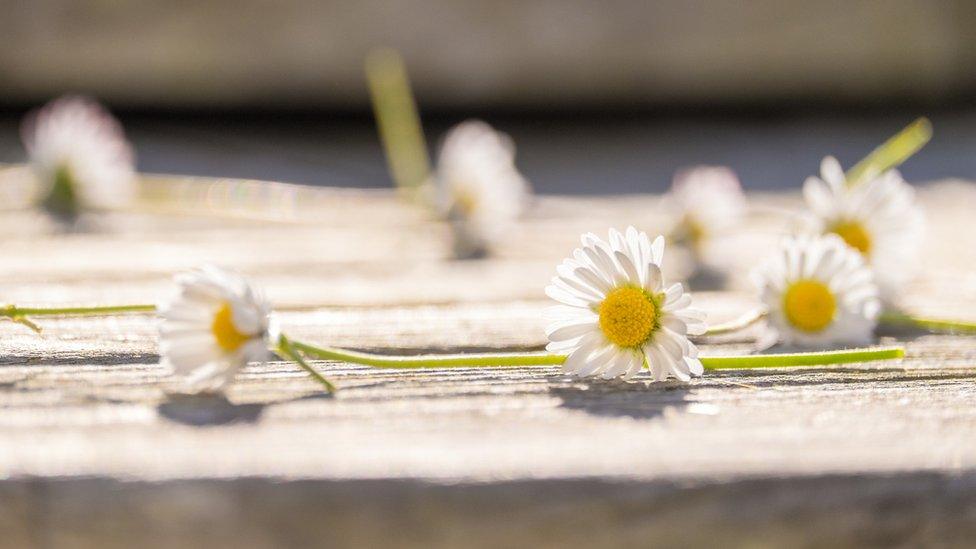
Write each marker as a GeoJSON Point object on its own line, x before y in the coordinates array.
{"type": "Point", "coordinates": [478, 189]}
{"type": "Point", "coordinates": [213, 325]}
{"type": "Point", "coordinates": [878, 217]}
{"type": "Point", "coordinates": [79, 155]}
{"type": "Point", "coordinates": [709, 202]}
{"type": "Point", "coordinates": [616, 315]}
{"type": "Point", "coordinates": [818, 292]}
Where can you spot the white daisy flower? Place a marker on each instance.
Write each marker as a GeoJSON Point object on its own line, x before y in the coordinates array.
{"type": "Point", "coordinates": [616, 314]}
{"type": "Point", "coordinates": [878, 217]}
{"type": "Point", "coordinates": [213, 325]}
{"type": "Point", "coordinates": [478, 188]}
{"type": "Point", "coordinates": [818, 292]}
{"type": "Point", "coordinates": [79, 155]}
{"type": "Point", "coordinates": [708, 201]}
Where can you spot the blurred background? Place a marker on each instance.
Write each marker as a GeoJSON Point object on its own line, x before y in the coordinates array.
{"type": "Point", "coordinates": [601, 97]}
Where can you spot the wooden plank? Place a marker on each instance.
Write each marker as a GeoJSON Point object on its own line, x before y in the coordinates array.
{"type": "Point", "coordinates": [88, 400]}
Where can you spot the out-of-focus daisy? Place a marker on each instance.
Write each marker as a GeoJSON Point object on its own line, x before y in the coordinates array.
{"type": "Point", "coordinates": [708, 201]}
{"type": "Point", "coordinates": [80, 156]}
{"type": "Point", "coordinates": [478, 189]}
{"type": "Point", "coordinates": [616, 313]}
{"type": "Point", "coordinates": [818, 292]}
{"type": "Point", "coordinates": [878, 217]}
{"type": "Point", "coordinates": [214, 324]}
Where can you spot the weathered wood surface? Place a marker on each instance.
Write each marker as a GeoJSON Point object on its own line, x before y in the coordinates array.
{"type": "Point", "coordinates": [94, 453]}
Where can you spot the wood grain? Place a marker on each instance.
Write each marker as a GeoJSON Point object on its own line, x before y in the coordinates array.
{"type": "Point", "coordinates": [96, 453]}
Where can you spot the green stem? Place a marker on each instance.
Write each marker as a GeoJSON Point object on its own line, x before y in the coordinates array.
{"type": "Point", "coordinates": [744, 321]}
{"type": "Point", "coordinates": [287, 348]}
{"type": "Point", "coordinates": [892, 152]}
{"type": "Point", "coordinates": [23, 320]}
{"type": "Point", "coordinates": [512, 360]}
{"type": "Point", "coordinates": [397, 119]}
{"type": "Point", "coordinates": [62, 201]}
{"type": "Point", "coordinates": [930, 324]}
{"type": "Point", "coordinates": [429, 361]}
{"type": "Point", "coordinates": [824, 358]}
{"type": "Point", "coordinates": [14, 311]}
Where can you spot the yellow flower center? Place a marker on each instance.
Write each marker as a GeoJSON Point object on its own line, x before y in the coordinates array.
{"type": "Point", "coordinates": [854, 234]}
{"type": "Point", "coordinates": [628, 316]}
{"type": "Point", "coordinates": [224, 331]}
{"type": "Point", "coordinates": [809, 305]}
{"type": "Point", "coordinates": [692, 230]}
{"type": "Point", "coordinates": [465, 201]}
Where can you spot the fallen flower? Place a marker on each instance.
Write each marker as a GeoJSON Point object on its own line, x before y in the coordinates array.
{"type": "Point", "coordinates": [478, 189]}
{"type": "Point", "coordinates": [80, 156]}
{"type": "Point", "coordinates": [818, 293]}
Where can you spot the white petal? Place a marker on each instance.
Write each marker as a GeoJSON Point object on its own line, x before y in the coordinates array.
{"type": "Point", "coordinates": [576, 360]}
{"type": "Point", "coordinates": [673, 292]}
{"type": "Point", "coordinates": [818, 196]}
{"type": "Point", "coordinates": [635, 366]}
{"type": "Point", "coordinates": [617, 241]}
{"type": "Point", "coordinates": [652, 278]}
{"type": "Point", "coordinates": [675, 365]}
{"type": "Point", "coordinates": [567, 273]}
{"type": "Point", "coordinates": [681, 302]}
{"type": "Point", "coordinates": [568, 345]}
{"type": "Point", "coordinates": [594, 279]}
{"type": "Point", "coordinates": [598, 361]}
{"type": "Point", "coordinates": [565, 297]}
{"type": "Point", "coordinates": [574, 287]}
{"type": "Point", "coordinates": [674, 324]}
{"type": "Point", "coordinates": [655, 360]}
{"type": "Point", "coordinates": [666, 341]}
{"type": "Point", "coordinates": [571, 329]}
{"type": "Point", "coordinates": [556, 313]}
{"type": "Point", "coordinates": [628, 267]}
{"type": "Point", "coordinates": [618, 366]}
{"type": "Point", "coordinates": [832, 173]}
{"type": "Point", "coordinates": [657, 250]}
